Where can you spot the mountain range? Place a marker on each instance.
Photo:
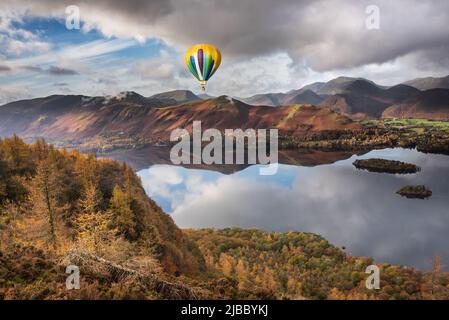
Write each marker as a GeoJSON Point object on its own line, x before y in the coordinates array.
{"type": "Point", "coordinates": [320, 106]}
{"type": "Point", "coordinates": [429, 83]}
{"type": "Point", "coordinates": [360, 98]}
{"type": "Point", "coordinates": [80, 118]}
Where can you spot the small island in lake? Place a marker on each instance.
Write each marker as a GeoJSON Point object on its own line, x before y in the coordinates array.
{"type": "Point", "coordinates": [386, 166]}
{"type": "Point", "coordinates": [415, 192]}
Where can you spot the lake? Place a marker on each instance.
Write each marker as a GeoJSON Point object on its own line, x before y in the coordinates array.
{"type": "Point", "coordinates": [355, 209]}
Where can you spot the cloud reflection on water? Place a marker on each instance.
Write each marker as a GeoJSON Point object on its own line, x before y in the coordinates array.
{"type": "Point", "coordinates": [355, 209]}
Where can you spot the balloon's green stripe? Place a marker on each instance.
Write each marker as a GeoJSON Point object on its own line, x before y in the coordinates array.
{"type": "Point", "coordinates": [208, 66]}
{"type": "Point", "coordinates": [193, 71]}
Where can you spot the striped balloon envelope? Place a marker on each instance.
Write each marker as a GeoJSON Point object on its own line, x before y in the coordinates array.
{"type": "Point", "coordinates": [203, 61]}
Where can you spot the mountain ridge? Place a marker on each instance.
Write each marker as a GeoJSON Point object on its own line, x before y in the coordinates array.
{"type": "Point", "coordinates": [129, 114]}
{"type": "Point", "coordinates": [88, 119]}
{"type": "Point", "coordinates": [429, 83]}
{"type": "Point", "coordinates": [430, 104]}
{"type": "Point", "coordinates": [358, 98]}
{"type": "Point", "coordinates": [176, 96]}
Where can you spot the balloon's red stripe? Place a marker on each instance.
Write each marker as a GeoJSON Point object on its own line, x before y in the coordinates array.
{"type": "Point", "coordinates": [200, 60]}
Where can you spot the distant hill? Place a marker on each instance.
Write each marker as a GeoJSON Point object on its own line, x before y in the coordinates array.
{"type": "Point", "coordinates": [303, 97]}
{"type": "Point", "coordinates": [355, 97]}
{"type": "Point", "coordinates": [315, 87]}
{"type": "Point", "coordinates": [338, 85]}
{"type": "Point", "coordinates": [205, 96]}
{"type": "Point", "coordinates": [362, 99]}
{"type": "Point", "coordinates": [129, 115]}
{"type": "Point", "coordinates": [429, 83]}
{"type": "Point", "coordinates": [176, 96]}
{"type": "Point", "coordinates": [280, 99]}
{"type": "Point", "coordinates": [73, 115]}
{"type": "Point", "coordinates": [78, 118]}
{"type": "Point", "coordinates": [269, 99]}
{"type": "Point", "coordinates": [430, 104]}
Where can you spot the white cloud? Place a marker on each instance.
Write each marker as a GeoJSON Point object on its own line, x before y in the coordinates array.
{"type": "Point", "coordinates": [266, 46]}
{"type": "Point", "coordinates": [160, 68]}
{"type": "Point", "coordinates": [259, 74]}
{"type": "Point", "coordinates": [15, 41]}
{"type": "Point", "coordinates": [158, 179]}
{"type": "Point", "coordinates": [75, 53]}
{"type": "Point", "coordinates": [13, 94]}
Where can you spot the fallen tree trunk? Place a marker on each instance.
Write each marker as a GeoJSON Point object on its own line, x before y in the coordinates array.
{"type": "Point", "coordinates": [100, 267]}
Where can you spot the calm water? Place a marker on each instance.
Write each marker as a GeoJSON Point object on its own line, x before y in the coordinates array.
{"type": "Point", "coordinates": [351, 208]}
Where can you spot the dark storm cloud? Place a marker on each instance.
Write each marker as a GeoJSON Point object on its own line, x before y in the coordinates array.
{"type": "Point", "coordinates": [52, 70]}
{"type": "Point", "coordinates": [32, 68]}
{"type": "Point", "coordinates": [57, 71]}
{"type": "Point", "coordinates": [323, 34]}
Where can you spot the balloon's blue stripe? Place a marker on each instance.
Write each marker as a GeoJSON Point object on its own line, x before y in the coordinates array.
{"type": "Point", "coordinates": [192, 63]}
{"type": "Point", "coordinates": [209, 73]}
{"type": "Point", "coordinates": [212, 69]}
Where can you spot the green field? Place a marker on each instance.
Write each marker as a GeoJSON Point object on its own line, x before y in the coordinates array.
{"type": "Point", "coordinates": [401, 123]}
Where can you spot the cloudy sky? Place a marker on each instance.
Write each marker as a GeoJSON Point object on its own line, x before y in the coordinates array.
{"type": "Point", "coordinates": [267, 45]}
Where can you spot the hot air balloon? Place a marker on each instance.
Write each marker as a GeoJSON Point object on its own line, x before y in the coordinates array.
{"type": "Point", "coordinates": [203, 60]}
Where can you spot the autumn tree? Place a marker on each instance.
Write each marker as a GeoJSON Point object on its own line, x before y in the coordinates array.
{"type": "Point", "coordinates": [435, 273]}
{"type": "Point", "coordinates": [91, 196]}
{"type": "Point", "coordinates": [3, 177]}
{"type": "Point", "coordinates": [9, 213]}
{"type": "Point", "coordinates": [45, 191]}
{"type": "Point", "coordinates": [92, 223]}
{"type": "Point", "coordinates": [120, 207]}
{"type": "Point", "coordinates": [243, 275]}
{"type": "Point", "coordinates": [17, 155]}
{"type": "Point", "coordinates": [94, 230]}
{"type": "Point", "coordinates": [40, 149]}
{"type": "Point", "coordinates": [226, 263]}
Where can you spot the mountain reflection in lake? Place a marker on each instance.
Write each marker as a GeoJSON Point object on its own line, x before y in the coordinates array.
{"type": "Point", "coordinates": [351, 208]}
